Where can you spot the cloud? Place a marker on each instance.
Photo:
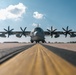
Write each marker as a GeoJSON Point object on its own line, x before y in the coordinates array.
{"type": "Point", "coordinates": [38, 15]}
{"type": "Point", "coordinates": [13, 12]}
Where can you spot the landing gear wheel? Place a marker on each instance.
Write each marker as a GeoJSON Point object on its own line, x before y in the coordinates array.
{"type": "Point", "coordinates": [43, 41]}
{"type": "Point", "coordinates": [32, 41]}
{"type": "Point", "coordinates": [36, 41]}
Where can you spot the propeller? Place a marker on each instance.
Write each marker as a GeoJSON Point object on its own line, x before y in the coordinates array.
{"type": "Point", "coordinates": [51, 31]}
{"type": "Point", "coordinates": [8, 31]}
{"type": "Point", "coordinates": [67, 31]}
{"type": "Point", "coordinates": [23, 31]}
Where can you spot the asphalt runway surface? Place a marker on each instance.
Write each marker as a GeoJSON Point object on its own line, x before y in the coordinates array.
{"type": "Point", "coordinates": [40, 59]}
{"type": "Point", "coordinates": [68, 55]}
{"type": "Point", "coordinates": [8, 53]}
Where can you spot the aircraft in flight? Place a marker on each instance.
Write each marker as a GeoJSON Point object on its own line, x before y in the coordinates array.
{"type": "Point", "coordinates": [38, 34]}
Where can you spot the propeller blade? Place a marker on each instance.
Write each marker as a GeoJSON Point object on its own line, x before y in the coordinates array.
{"type": "Point", "coordinates": [51, 31]}
{"type": "Point", "coordinates": [8, 28]}
{"type": "Point", "coordinates": [21, 28]}
{"type": "Point", "coordinates": [51, 28]}
{"type": "Point", "coordinates": [63, 29]}
{"type": "Point", "coordinates": [51, 35]}
{"type": "Point", "coordinates": [54, 30]}
{"type": "Point", "coordinates": [48, 30]}
{"type": "Point", "coordinates": [25, 28]}
{"type": "Point", "coordinates": [67, 28]}
{"type": "Point", "coordinates": [11, 30]}
{"type": "Point", "coordinates": [5, 29]}
{"type": "Point", "coordinates": [24, 34]}
{"type": "Point", "coordinates": [70, 30]}
{"type": "Point", "coordinates": [66, 35]}
{"type": "Point", "coordinates": [67, 31]}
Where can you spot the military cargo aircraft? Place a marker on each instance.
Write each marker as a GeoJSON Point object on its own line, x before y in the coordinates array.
{"type": "Point", "coordinates": [38, 34]}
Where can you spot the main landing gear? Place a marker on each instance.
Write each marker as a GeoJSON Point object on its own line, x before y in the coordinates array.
{"type": "Point", "coordinates": [38, 41]}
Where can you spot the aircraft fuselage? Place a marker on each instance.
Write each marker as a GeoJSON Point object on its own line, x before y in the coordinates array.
{"type": "Point", "coordinates": [37, 35]}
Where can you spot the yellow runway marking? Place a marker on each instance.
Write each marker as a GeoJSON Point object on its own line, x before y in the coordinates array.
{"type": "Point", "coordinates": [37, 60]}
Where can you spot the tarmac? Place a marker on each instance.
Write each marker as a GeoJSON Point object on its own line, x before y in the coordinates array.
{"type": "Point", "coordinates": [40, 59]}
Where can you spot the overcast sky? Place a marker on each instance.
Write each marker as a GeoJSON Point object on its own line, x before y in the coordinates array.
{"type": "Point", "coordinates": [29, 13]}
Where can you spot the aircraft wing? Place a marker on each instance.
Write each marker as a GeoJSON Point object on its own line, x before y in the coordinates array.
{"type": "Point", "coordinates": [20, 32]}
{"type": "Point", "coordinates": [46, 33]}
{"type": "Point", "coordinates": [58, 33]}
{"type": "Point", "coordinates": [17, 33]}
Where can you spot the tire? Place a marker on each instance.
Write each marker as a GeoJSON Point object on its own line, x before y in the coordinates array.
{"type": "Point", "coordinates": [32, 41]}
{"type": "Point", "coordinates": [43, 41]}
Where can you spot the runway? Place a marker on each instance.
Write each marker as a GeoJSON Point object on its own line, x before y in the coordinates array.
{"type": "Point", "coordinates": [7, 53]}
{"type": "Point", "coordinates": [38, 60]}
{"type": "Point", "coordinates": [69, 53]}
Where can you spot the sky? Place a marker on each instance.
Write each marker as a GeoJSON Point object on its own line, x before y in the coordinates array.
{"type": "Point", "coordinates": [29, 13]}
